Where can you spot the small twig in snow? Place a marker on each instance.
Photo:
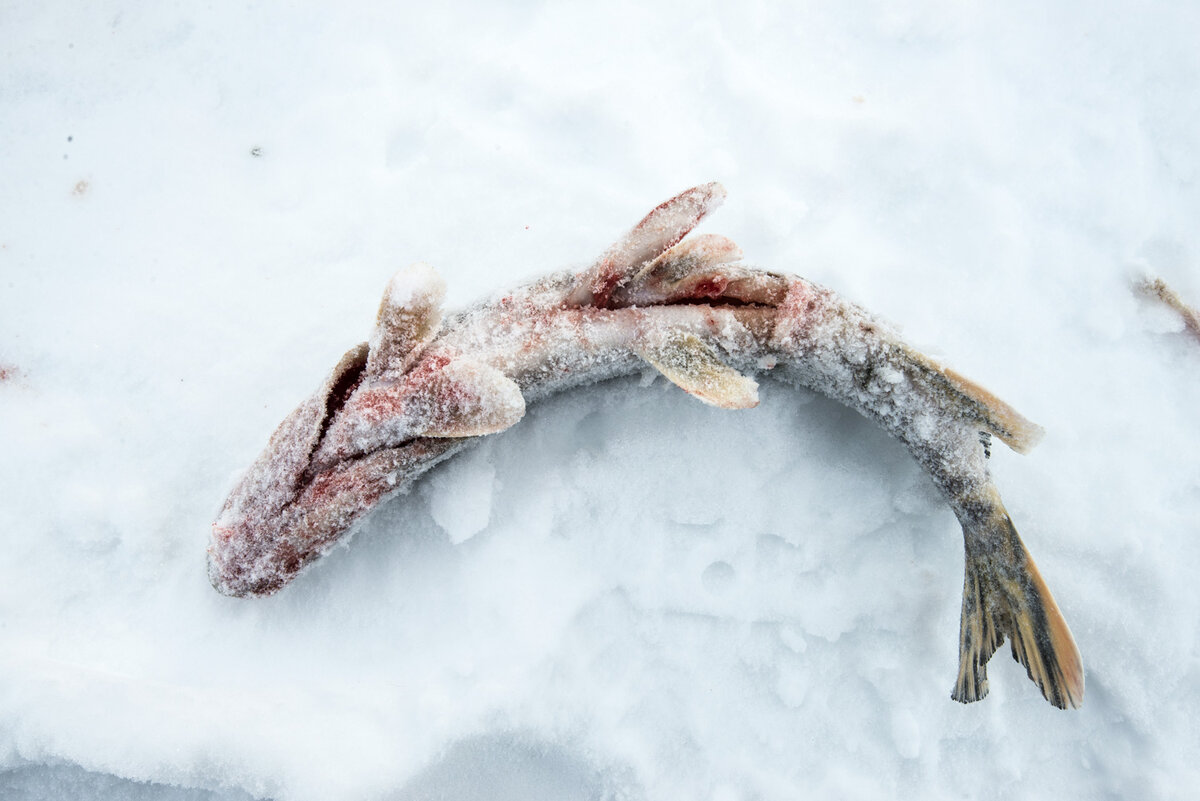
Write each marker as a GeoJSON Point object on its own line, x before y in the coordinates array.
{"type": "Point", "coordinates": [1157, 288]}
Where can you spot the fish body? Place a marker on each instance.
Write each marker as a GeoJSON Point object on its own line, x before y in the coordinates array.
{"type": "Point", "coordinates": [423, 388]}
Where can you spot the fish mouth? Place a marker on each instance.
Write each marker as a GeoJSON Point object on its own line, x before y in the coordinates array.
{"type": "Point", "coordinates": [245, 554]}
{"type": "Point", "coordinates": [236, 557]}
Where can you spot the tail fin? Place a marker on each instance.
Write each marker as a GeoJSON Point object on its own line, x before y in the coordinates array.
{"type": "Point", "coordinates": [1005, 596]}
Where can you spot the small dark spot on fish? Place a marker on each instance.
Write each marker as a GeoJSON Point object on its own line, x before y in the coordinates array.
{"type": "Point", "coordinates": [256, 151]}
{"type": "Point", "coordinates": [81, 188]}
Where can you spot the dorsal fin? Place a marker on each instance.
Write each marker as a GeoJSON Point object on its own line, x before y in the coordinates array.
{"type": "Point", "coordinates": [659, 230]}
{"type": "Point", "coordinates": [977, 404]}
{"type": "Point", "coordinates": [696, 368]}
{"type": "Point", "coordinates": [409, 318]}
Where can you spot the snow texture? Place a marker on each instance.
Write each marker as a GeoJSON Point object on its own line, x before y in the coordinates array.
{"type": "Point", "coordinates": [201, 206]}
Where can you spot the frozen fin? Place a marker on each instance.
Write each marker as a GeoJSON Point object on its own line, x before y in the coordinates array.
{"type": "Point", "coordinates": [467, 398]}
{"type": "Point", "coordinates": [1005, 596]}
{"type": "Point", "coordinates": [409, 318]}
{"type": "Point", "coordinates": [978, 404]}
{"type": "Point", "coordinates": [663, 227]}
{"type": "Point", "coordinates": [697, 268]}
{"type": "Point", "coordinates": [441, 396]}
{"type": "Point", "coordinates": [690, 255]}
{"type": "Point", "coordinates": [696, 368]}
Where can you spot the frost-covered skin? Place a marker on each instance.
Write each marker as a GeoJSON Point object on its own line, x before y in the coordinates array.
{"type": "Point", "coordinates": [423, 389]}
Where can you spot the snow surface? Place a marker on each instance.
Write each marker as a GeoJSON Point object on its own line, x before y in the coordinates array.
{"type": "Point", "coordinates": [629, 595]}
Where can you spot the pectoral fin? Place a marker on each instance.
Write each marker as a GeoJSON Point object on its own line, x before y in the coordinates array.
{"type": "Point", "coordinates": [409, 318]}
{"type": "Point", "coordinates": [467, 399]}
{"type": "Point", "coordinates": [696, 368]}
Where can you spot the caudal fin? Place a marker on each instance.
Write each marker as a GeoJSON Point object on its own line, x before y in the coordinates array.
{"type": "Point", "coordinates": [1005, 596]}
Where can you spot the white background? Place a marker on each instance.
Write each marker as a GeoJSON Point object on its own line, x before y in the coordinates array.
{"type": "Point", "coordinates": [629, 595]}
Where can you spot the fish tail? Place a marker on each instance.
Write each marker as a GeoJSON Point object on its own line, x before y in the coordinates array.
{"type": "Point", "coordinates": [1004, 595]}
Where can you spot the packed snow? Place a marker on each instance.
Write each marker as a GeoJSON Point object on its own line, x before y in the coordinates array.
{"type": "Point", "coordinates": [629, 594]}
